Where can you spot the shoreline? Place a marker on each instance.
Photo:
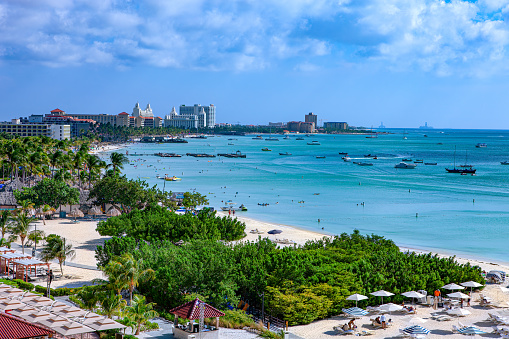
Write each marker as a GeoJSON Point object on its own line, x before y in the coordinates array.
{"type": "Point", "coordinates": [301, 233]}
{"type": "Point", "coordinates": [299, 236]}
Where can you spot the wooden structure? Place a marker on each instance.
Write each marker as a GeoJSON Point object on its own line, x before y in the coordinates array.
{"type": "Point", "coordinates": [7, 258]}
{"type": "Point", "coordinates": [194, 310]}
{"type": "Point", "coordinates": [24, 267]}
{"type": "Point", "coordinates": [6, 250]}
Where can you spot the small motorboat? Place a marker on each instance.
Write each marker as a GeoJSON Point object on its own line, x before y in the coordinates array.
{"type": "Point", "coordinates": [430, 163]}
{"type": "Point", "coordinates": [418, 161]}
{"type": "Point", "coordinates": [266, 149]}
{"type": "Point", "coordinates": [406, 159]}
{"type": "Point", "coordinates": [300, 138]}
{"type": "Point", "coordinates": [258, 137]}
{"type": "Point", "coordinates": [346, 159]}
{"type": "Point", "coordinates": [231, 208]}
{"type": "Point", "coordinates": [343, 153]}
{"type": "Point", "coordinates": [481, 145]}
{"type": "Point", "coordinates": [285, 153]}
{"type": "Point", "coordinates": [504, 163]}
{"type": "Point", "coordinates": [364, 164]}
{"type": "Point", "coordinates": [320, 156]}
{"type": "Point", "coordinates": [173, 178]}
{"type": "Point", "coordinates": [405, 165]}
{"type": "Point", "coordinates": [314, 143]}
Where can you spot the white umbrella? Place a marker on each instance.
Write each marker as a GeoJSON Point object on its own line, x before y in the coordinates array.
{"type": "Point", "coordinates": [382, 294]}
{"type": "Point", "coordinates": [459, 312]}
{"type": "Point", "coordinates": [40, 301]}
{"type": "Point", "coordinates": [11, 305]}
{"type": "Point", "coordinates": [390, 307]}
{"type": "Point", "coordinates": [357, 297]}
{"type": "Point", "coordinates": [36, 316]}
{"type": "Point", "coordinates": [452, 287]}
{"type": "Point", "coordinates": [72, 328]}
{"type": "Point", "coordinates": [105, 324]}
{"type": "Point", "coordinates": [413, 294]}
{"type": "Point", "coordinates": [458, 295]}
{"type": "Point", "coordinates": [415, 320]}
{"type": "Point", "coordinates": [23, 310]}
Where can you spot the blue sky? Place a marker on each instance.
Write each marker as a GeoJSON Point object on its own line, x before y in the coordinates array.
{"type": "Point", "coordinates": [361, 61]}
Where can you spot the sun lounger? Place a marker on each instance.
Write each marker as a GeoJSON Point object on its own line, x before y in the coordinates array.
{"type": "Point", "coordinates": [455, 329]}
{"type": "Point", "coordinates": [443, 318]}
{"type": "Point", "coordinates": [403, 333]}
{"type": "Point", "coordinates": [365, 332]}
{"type": "Point", "coordinates": [339, 330]}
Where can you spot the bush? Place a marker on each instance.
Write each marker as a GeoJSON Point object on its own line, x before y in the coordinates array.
{"type": "Point", "coordinates": [24, 285]}
{"type": "Point", "coordinates": [150, 326]}
{"type": "Point", "coordinates": [40, 289]}
{"type": "Point", "coordinates": [233, 319]}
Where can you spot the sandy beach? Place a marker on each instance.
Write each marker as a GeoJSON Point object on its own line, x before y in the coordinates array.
{"type": "Point", "coordinates": [85, 238]}
{"type": "Point", "coordinates": [106, 148]}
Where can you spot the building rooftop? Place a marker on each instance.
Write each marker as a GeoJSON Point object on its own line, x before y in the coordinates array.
{"type": "Point", "coordinates": [57, 110]}
{"type": "Point", "coordinates": [12, 327]}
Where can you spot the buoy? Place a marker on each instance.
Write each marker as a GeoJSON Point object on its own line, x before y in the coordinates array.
{"type": "Point", "coordinates": [319, 221]}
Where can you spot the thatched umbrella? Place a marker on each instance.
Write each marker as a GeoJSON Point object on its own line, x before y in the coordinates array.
{"type": "Point", "coordinates": [113, 212]}
{"type": "Point", "coordinates": [94, 211]}
{"type": "Point", "coordinates": [76, 213]}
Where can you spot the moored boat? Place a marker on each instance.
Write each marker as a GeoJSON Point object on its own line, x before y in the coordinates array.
{"type": "Point", "coordinates": [405, 165]}
{"type": "Point", "coordinates": [364, 164]}
{"type": "Point", "coordinates": [173, 178]}
{"type": "Point", "coordinates": [285, 153]}
{"type": "Point", "coordinates": [504, 162]}
{"type": "Point", "coordinates": [481, 145]}
{"type": "Point", "coordinates": [265, 149]}
{"type": "Point", "coordinates": [314, 142]}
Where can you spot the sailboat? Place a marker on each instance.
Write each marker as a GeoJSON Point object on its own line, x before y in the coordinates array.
{"type": "Point", "coordinates": [371, 136]}
{"type": "Point", "coordinates": [270, 138]}
{"type": "Point", "coordinates": [466, 169]}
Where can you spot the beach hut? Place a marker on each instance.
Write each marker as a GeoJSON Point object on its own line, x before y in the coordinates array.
{"type": "Point", "coordinates": [94, 211]}
{"type": "Point", "coordinates": [7, 258]}
{"type": "Point", "coordinates": [193, 310]}
{"type": "Point", "coordinates": [113, 212]}
{"type": "Point", "coordinates": [76, 213]}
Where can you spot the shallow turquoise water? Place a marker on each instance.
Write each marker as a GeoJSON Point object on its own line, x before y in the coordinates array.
{"type": "Point", "coordinates": [448, 218]}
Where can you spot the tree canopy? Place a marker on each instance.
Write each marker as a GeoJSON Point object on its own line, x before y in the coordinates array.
{"type": "Point", "coordinates": [49, 191]}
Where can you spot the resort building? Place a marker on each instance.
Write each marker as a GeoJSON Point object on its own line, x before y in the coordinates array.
{"type": "Point", "coordinates": [310, 117]}
{"type": "Point", "coordinates": [206, 114]}
{"type": "Point", "coordinates": [181, 121]}
{"type": "Point", "coordinates": [15, 127]}
{"type": "Point", "coordinates": [335, 125]}
{"type": "Point", "coordinates": [277, 124]}
{"type": "Point", "coordinates": [301, 127]}
{"type": "Point", "coordinates": [146, 113]}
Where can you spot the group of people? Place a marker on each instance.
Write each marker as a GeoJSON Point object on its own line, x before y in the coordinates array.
{"type": "Point", "coordinates": [382, 320]}
{"type": "Point", "coordinates": [350, 326]}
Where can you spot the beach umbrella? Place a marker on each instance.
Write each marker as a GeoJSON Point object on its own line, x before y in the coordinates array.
{"type": "Point", "coordinates": [413, 295]}
{"type": "Point", "coordinates": [40, 301]}
{"type": "Point", "coordinates": [275, 232]}
{"type": "Point", "coordinates": [414, 320]}
{"type": "Point", "coordinates": [57, 306]}
{"type": "Point", "coordinates": [27, 309]}
{"type": "Point", "coordinates": [54, 321]}
{"type": "Point", "coordinates": [357, 297]}
{"type": "Point", "coordinates": [453, 287]}
{"type": "Point", "coordinates": [28, 296]}
{"type": "Point", "coordinates": [91, 317]}
{"type": "Point", "coordinates": [355, 312]}
{"type": "Point", "coordinates": [36, 316]}
{"type": "Point", "coordinates": [113, 212]}
{"type": "Point", "coordinates": [76, 213]}
{"type": "Point", "coordinates": [105, 324]}
{"type": "Point", "coordinates": [471, 330]}
{"type": "Point", "coordinates": [416, 330]}
{"type": "Point", "coordinates": [471, 284]}
{"type": "Point", "coordinates": [70, 312]}
{"type": "Point", "coordinates": [458, 295]}
{"type": "Point", "coordinates": [10, 304]}
{"type": "Point", "coordinates": [461, 312]}
{"type": "Point", "coordinates": [94, 211]}
{"type": "Point", "coordinates": [12, 292]}
{"type": "Point", "coordinates": [72, 328]}
{"type": "Point", "coordinates": [390, 307]}
{"type": "Point", "coordinates": [382, 294]}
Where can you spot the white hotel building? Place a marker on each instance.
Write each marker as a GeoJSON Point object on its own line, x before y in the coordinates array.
{"type": "Point", "coordinates": [191, 117]}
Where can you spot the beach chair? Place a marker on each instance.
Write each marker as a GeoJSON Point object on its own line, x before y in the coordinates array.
{"type": "Point", "coordinates": [365, 332]}
{"type": "Point", "coordinates": [461, 325]}
{"type": "Point", "coordinates": [403, 333]}
{"type": "Point", "coordinates": [443, 318]}
{"type": "Point", "coordinates": [455, 329]}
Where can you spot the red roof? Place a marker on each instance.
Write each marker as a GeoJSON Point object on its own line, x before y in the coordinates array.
{"type": "Point", "coordinates": [57, 110]}
{"type": "Point", "coordinates": [191, 310]}
{"type": "Point", "coordinates": [123, 113]}
{"type": "Point", "coordinates": [12, 327]}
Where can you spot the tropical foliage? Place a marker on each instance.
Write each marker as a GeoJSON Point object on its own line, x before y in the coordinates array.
{"type": "Point", "coordinates": [57, 248]}
{"type": "Point", "coordinates": [52, 192]}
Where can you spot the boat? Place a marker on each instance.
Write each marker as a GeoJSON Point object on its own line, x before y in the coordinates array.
{"type": "Point", "coordinates": [237, 154]}
{"type": "Point", "coordinates": [370, 156]}
{"type": "Point", "coordinates": [173, 178]}
{"type": "Point", "coordinates": [258, 137]}
{"type": "Point", "coordinates": [266, 149]}
{"type": "Point", "coordinates": [346, 159]}
{"type": "Point", "coordinates": [320, 156]}
{"type": "Point", "coordinates": [200, 155]}
{"type": "Point", "coordinates": [231, 208]}
{"type": "Point", "coordinates": [300, 138]}
{"type": "Point", "coordinates": [372, 135]}
{"type": "Point", "coordinates": [418, 161]}
{"type": "Point", "coordinates": [178, 141]}
{"type": "Point", "coordinates": [313, 143]}
{"type": "Point", "coordinates": [232, 139]}
{"type": "Point", "coordinates": [287, 137]}
{"type": "Point", "coordinates": [364, 164]}
{"type": "Point", "coordinates": [504, 162]}
{"type": "Point", "coordinates": [168, 155]}
{"type": "Point", "coordinates": [430, 163]}
{"type": "Point", "coordinates": [405, 165]}
{"type": "Point", "coordinates": [272, 139]}
{"type": "Point", "coordinates": [285, 153]}
{"type": "Point", "coordinates": [481, 145]}
{"type": "Point", "coordinates": [406, 159]}
{"type": "Point", "coordinates": [230, 144]}
{"type": "Point", "coordinates": [405, 138]}
{"type": "Point", "coordinates": [461, 170]}
{"type": "Point", "coordinates": [343, 153]}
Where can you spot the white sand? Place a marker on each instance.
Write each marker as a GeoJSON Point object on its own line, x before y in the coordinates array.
{"type": "Point", "coordinates": [107, 148]}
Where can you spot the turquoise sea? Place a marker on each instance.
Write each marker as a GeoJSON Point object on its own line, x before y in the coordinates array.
{"type": "Point", "coordinates": [457, 214]}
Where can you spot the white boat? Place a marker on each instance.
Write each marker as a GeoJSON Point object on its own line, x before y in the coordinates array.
{"type": "Point", "coordinates": [313, 143]}
{"type": "Point", "coordinates": [364, 164]}
{"type": "Point", "coordinates": [481, 145]}
{"type": "Point", "coordinates": [405, 165]}
{"type": "Point", "coordinates": [346, 159]}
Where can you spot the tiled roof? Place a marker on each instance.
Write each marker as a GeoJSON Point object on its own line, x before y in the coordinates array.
{"type": "Point", "coordinates": [12, 327]}
{"type": "Point", "coordinates": [57, 110]}
{"type": "Point", "coordinates": [191, 310]}
{"type": "Point", "coordinates": [123, 113]}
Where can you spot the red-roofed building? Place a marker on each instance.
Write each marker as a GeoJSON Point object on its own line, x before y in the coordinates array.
{"type": "Point", "coordinates": [57, 110]}
{"type": "Point", "coordinates": [192, 311]}
{"type": "Point", "coordinates": [12, 327]}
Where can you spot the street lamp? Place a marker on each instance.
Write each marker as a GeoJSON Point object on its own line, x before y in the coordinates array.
{"type": "Point", "coordinates": [49, 280]}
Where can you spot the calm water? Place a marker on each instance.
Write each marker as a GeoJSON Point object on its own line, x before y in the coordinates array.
{"type": "Point", "coordinates": [448, 219]}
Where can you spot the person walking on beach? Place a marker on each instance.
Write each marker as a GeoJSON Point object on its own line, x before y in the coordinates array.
{"type": "Point", "coordinates": [383, 320]}
{"type": "Point", "coordinates": [435, 299]}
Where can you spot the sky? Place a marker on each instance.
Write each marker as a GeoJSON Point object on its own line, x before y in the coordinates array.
{"type": "Point", "coordinates": [360, 61]}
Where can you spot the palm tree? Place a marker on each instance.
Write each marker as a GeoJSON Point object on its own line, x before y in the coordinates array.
{"type": "Point", "coordinates": [5, 242]}
{"type": "Point", "coordinates": [21, 227]}
{"type": "Point", "coordinates": [46, 210]}
{"type": "Point", "coordinates": [130, 271]}
{"type": "Point", "coordinates": [112, 304]}
{"type": "Point", "coordinates": [117, 161]}
{"type": "Point", "coordinates": [5, 218]}
{"type": "Point", "coordinates": [114, 281]}
{"type": "Point", "coordinates": [141, 312]}
{"type": "Point", "coordinates": [36, 236]}
{"type": "Point", "coordinates": [94, 165]}
{"type": "Point", "coordinates": [56, 248]}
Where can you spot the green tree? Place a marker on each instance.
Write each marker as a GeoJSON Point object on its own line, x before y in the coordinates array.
{"type": "Point", "coordinates": [117, 161]}
{"type": "Point", "coordinates": [21, 227]}
{"type": "Point", "coordinates": [130, 271]}
{"type": "Point", "coordinates": [49, 191]}
{"type": "Point", "coordinates": [111, 304]}
{"type": "Point", "coordinates": [191, 200]}
{"type": "Point", "coordinates": [57, 248]}
{"type": "Point", "coordinates": [141, 312]}
{"type": "Point", "coordinates": [5, 219]}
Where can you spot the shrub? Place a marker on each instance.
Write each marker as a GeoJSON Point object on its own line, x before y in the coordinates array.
{"type": "Point", "coordinates": [233, 319]}
{"type": "Point", "coordinates": [40, 289]}
{"type": "Point", "coordinates": [24, 285]}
